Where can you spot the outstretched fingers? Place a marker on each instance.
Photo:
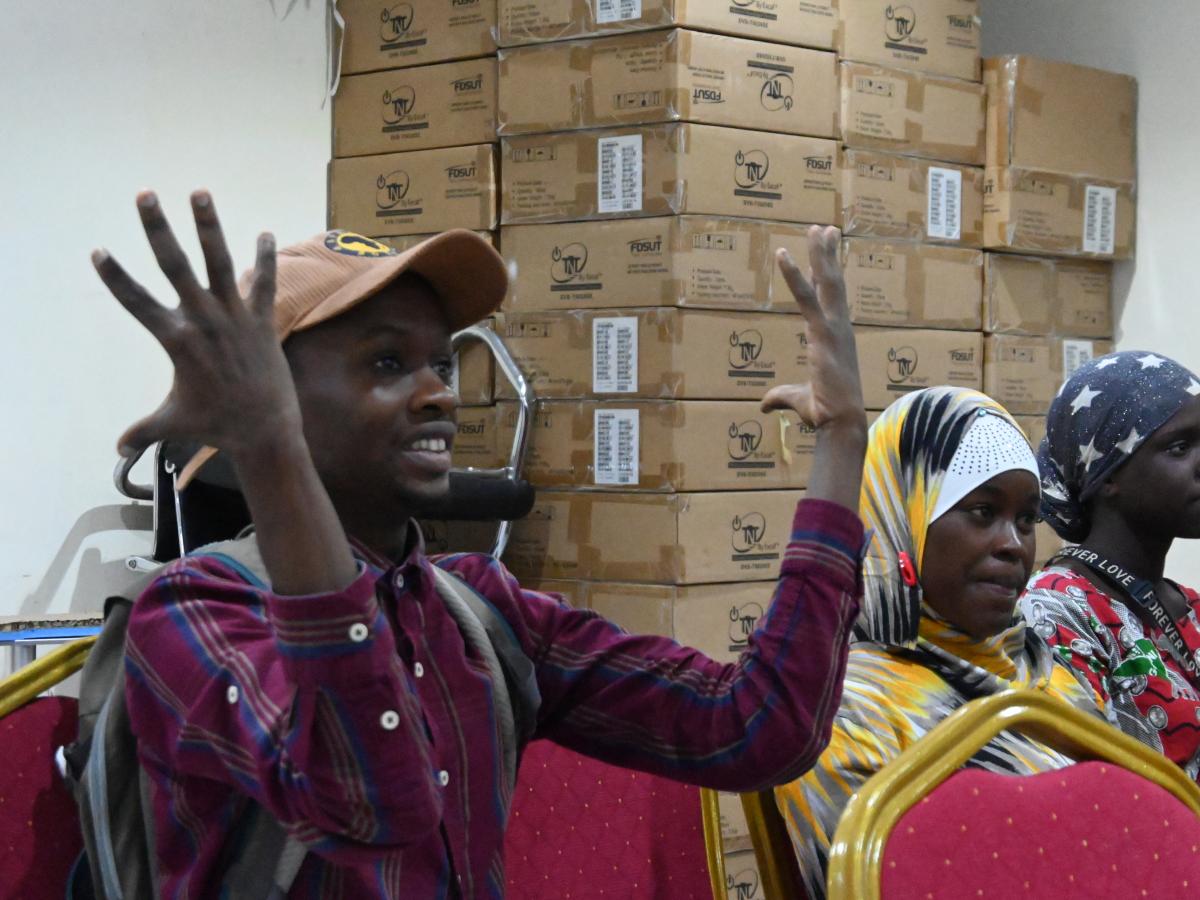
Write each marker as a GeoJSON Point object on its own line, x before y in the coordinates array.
{"type": "Point", "coordinates": [824, 246]}
{"type": "Point", "coordinates": [170, 256]}
{"type": "Point", "coordinates": [156, 318]}
{"type": "Point", "coordinates": [262, 284]}
{"type": "Point", "coordinates": [221, 279]}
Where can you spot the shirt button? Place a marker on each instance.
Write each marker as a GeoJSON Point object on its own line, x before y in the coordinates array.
{"type": "Point", "coordinates": [390, 720]}
{"type": "Point", "coordinates": [232, 694]}
{"type": "Point", "coordinates": [418, 670]}
{"type": "Point", "coordinates": [358, 632]}
{"type": "Point", "coordinates": [443, 778]}
{"type": "Point", "coordinates": [399, 582]}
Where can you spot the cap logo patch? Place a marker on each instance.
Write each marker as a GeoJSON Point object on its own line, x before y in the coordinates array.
{"type": "Point", "coordinates": [352, 244]}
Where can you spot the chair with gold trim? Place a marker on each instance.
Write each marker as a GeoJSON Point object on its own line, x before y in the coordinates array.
{"type": "Point", "coordinates": [40, 841]}
{"type": "Point", "coordinates": [1123, 821]}
{"type": "Point", "coordinates": [586, 830]}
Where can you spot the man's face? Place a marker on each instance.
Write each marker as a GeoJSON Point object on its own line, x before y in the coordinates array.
{"type": "Point", "coordinates": [379, 414]}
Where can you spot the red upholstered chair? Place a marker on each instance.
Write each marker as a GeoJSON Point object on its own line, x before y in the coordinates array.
{"type": "Point", "coordinates": [582, 829]}
{"type": "Point", "coordinates": [40, 840]}
{"type": "Point", "coordinates": [1123, 822]}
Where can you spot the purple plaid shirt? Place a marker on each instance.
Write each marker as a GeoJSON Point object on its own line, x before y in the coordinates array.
{"type": "Point", "coordinates": [363, 723]}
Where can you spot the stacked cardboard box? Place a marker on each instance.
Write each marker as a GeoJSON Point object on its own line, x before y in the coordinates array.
{"type": "Point", "coordinates": [653, 157]}
{"type": "Point", "coordinates": [414, 132]}
{"type": "Point", "coordinates": [1061, 183]}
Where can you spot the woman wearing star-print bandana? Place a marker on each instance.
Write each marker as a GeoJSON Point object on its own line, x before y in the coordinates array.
{"type": "Point", "coordinates": [1120, 468]}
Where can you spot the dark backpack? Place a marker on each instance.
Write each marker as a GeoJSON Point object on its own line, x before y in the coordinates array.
{"type": "Point", "coordinates": [113, 792]}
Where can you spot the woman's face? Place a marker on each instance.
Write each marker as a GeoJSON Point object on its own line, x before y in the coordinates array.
{"type": "Point", "coordinates": [980, 553]}
{"type": "Point", "coordinates": [1157, 492]}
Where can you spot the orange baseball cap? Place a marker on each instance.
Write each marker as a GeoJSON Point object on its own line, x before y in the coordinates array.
{"type": "Point", "coordinates": [326, 275]}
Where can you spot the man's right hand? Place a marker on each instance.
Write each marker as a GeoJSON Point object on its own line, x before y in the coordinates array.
{"type": "Point", "coordinates": [232, 388]}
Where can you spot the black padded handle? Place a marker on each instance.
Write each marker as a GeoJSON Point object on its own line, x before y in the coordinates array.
{"type": "Point", "coordinates": [482, 498]}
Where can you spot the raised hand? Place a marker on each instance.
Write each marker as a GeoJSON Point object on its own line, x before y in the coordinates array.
{"type": "Point", "coordinates": [232, 385]}
{"type": "Point", "coordinates": [834, 395]}
{"type": "Point", "coordinates": [832, 401]}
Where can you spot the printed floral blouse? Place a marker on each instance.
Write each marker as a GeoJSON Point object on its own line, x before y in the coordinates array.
{"type": "Point", "coordinates": [1147, 693]}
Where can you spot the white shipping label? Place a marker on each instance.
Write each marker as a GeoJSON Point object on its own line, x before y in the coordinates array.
{"type": "Point", "coordinates": [943, 194]}
{"type": "Point", "coordinates": [1099, 219]}
{"type": "Point", "coordinates": [617, 11]}
{"type": "Point", "coordinates": [619, 181]}
{"type": "Point", "coordinates": [1075, 354]}
{"type": "Point", "coordinates": [615, 355]}
{"type": "Point", "coordinates": [616, 446]}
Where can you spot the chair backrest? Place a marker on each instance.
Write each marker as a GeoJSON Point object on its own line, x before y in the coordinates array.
{"type": "Point", "coordinates": [584, 829]}
{"type": "Point", "coordinates": [772, 847]}
{"type": "Point", "coordinates": [1090, 830]}
{"type": "Point", "coordinates": [869, 824]}
{"type": "Point", "coordinates": [40, 841]}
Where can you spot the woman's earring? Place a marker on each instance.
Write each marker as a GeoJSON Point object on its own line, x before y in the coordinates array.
{"type": "Point", "coordinates": [907, 572]}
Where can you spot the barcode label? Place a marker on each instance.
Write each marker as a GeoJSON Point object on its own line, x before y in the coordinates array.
{"type": "Point", "coordinates": [619, 185]}
{"type": "Point", "coordinates": [616, 446]}
{"type": "Point", "coordinates": [615, 355]}
{"type": "Point", "coordinates": [943, 192]}
{"type": "Point", "coordinates": [1075, 354]}
{"type": "Point", "coordinates": [1099, 219]}
{"type": "Point", "coordinates": [618, 11]}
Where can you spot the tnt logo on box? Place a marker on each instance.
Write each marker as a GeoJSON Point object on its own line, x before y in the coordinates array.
{"type": "Point", "coordinates": [776, 93]}
{"type": "Point", "coordinates": [744, 348]}
{"type": "Point", "coordinates": [747, 539]}
{"type": "Point", "coordinates": [398, 104]}
{"type": "Point", "coordinates": [744, 440]}
{"type": "Point", "coordinates": [902, 364]}
{"type": "Point", "coordinates": [742, 622]}
{"type": "Point", "coordinates": [899, 22]}
{"type": "Point", "coordinates": [395, 22]}
{"type": "Point", "coordinates": [390, 189]}
{"type": "Point", "coordinates": [568, 263]}
{"type": "Point", "coordinates": [750, 168]}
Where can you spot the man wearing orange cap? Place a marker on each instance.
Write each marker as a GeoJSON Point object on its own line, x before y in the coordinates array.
{"type": "Point", "coordinates": [342, 697]}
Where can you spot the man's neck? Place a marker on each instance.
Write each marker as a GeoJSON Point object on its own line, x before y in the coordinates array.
{"type": "Point", "coordinates": [1141, 553]}
{"type": "Point", "coordinates": [392, 540]}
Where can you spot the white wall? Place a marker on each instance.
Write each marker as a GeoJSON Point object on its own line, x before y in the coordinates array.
{"type": "Point", "coordinates": [101, 99]}
{"type": "Point", "coordinates": [1155, 42]}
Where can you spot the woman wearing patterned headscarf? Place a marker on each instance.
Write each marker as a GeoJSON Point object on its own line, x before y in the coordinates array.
{"type": "Point", "coordinates": [950, 491]}
{"type": "Point", "coordinates": [1121, 478]}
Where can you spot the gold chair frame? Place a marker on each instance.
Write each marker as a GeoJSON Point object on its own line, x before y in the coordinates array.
{"type": "Point", "coordinates": [43, 673]}
{"type": "Point", "coordinates": [856, 854]}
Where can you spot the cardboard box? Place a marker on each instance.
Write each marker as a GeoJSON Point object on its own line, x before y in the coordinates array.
{"type": "Point", "coordinates": [385, 34]}
{"type": "Point", "coordinates": [912, 112]}
{"type": "Point", "coordinates": [403, 242]}
{"type": "Point", "coordinates": [446, 105]}
{"type": "Point", "coordinates": [1034, 428]}
{"type": "Point", "coordinates": [1040, 295]}
{"type": "Point", "coordinates": [1059, 117]}
{"type": "Point", "coordinates": [687, 261]}
{"type": "Point", "coordinates": [484, 439]}
{"type": "Point", "coordinates": [1024, 373]}
{"type": "Point", "coordinates": [666, 445]}
{"type": "Point", "coordinates": [1061, 215]}
{"type": "Point", "coordinates": [414, 193]}
{"type": "Point", "coordinates": [742, 878]}
{"type": "Point", "coordinates": [886, 195]}
{"type": "Point", "coordinates": [938, 36]}
{"type": "Point", "coordinates": [809, 23]}
{"type": "Point", "coordinates": [895, 283]}
{"type": "Point", "coordinates": [657, 170]}
{"type": "Point", "coordinates": [668, 76]}
{"type": "Point", "coordinates": [661, 352]}
{"type": "Point", "coordinates": [474, 375]}
{"type": "Point", "coordinates": [897, 361]}
{"type": "Point", "coordinates": [729, 536]}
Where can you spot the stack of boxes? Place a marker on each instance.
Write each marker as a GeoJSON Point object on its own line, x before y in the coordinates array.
{"type": "Point", "coordinates": [1060, 183]}
{"type": "Point", "coordinates": [414, 146]}
{"type": "Point", "coordinates": [652, 155]}
{"type": "Point", "coordinates": [652, 160]}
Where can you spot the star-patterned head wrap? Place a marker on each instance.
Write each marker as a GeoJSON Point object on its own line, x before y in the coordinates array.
{"type": "Point", "coordinates": [1100, 417]}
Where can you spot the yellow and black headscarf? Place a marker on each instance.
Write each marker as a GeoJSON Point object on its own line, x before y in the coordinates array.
{"type": "Point", "coordinates": [909, 453]}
